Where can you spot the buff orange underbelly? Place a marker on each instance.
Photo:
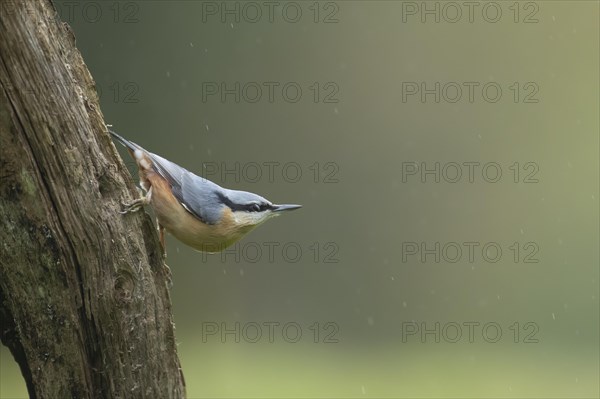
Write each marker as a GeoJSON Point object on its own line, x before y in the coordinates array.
{"type": "Point", "coordinates": [189, 229]}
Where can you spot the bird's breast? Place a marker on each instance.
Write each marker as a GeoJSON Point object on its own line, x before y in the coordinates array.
{"type": "Point", "coordinates": [186, 227]}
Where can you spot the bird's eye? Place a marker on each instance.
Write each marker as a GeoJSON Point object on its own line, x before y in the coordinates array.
{"type": "Point", "coordinates": [254, 208]}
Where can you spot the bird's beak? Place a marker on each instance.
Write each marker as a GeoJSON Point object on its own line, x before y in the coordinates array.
{"type": "Point", "coordinates": [285, 207]}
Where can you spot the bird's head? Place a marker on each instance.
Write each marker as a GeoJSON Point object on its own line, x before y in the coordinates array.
{"type": "Point", "coordinates": [249, 210]}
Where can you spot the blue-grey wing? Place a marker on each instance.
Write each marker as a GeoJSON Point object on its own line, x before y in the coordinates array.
{"type": "Point", "coordinates": [197, 195]}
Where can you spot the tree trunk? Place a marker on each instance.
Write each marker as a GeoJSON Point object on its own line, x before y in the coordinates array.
{"type": "Point", "coordinates": [84, 299]}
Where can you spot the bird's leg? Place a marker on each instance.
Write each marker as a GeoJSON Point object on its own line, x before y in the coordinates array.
{"type": "Point", "coordinates": [134, 206]}
{"type": "Point", "coordinates": [137, 204]}
{"type": "Point", "coordinates": [163, 244]}
{"type": "Point", "coordinates": [161, 236]}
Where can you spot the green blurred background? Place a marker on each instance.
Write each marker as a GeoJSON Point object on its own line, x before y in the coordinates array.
{"type": "Point", "coordinates": [353, 136]}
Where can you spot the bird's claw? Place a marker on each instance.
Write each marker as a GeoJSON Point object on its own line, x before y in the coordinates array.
{"type": "Point", "coordinates": [132, 206]}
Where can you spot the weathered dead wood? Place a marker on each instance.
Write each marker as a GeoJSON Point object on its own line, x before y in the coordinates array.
{"type": "Point", "coordinates": [84, 300]}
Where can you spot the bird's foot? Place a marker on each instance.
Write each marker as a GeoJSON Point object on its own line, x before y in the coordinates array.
{"type": "Point", "coordinates": [133, 206]}
{"type": "Point", "coordinates": [168, 274]}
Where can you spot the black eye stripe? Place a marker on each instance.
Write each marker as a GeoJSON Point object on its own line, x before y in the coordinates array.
{"type": "Point", "coordinates": [258, 207]}
{"type": "Point", "coordinates": [251, 207]}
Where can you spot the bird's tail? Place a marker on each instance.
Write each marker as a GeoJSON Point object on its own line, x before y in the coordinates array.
{"type": "Point", "coordinates": [129, 144]}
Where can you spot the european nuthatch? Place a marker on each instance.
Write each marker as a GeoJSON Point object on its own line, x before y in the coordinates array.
{"type": "Point", "coordinates": [200, 213]}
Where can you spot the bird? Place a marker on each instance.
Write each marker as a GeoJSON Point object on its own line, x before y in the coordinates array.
{"type": "Point", "coordinates": [199, 213]}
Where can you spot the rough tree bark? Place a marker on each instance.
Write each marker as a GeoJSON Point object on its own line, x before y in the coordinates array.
{"type": "Point", "coordinates": [84, 300]}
